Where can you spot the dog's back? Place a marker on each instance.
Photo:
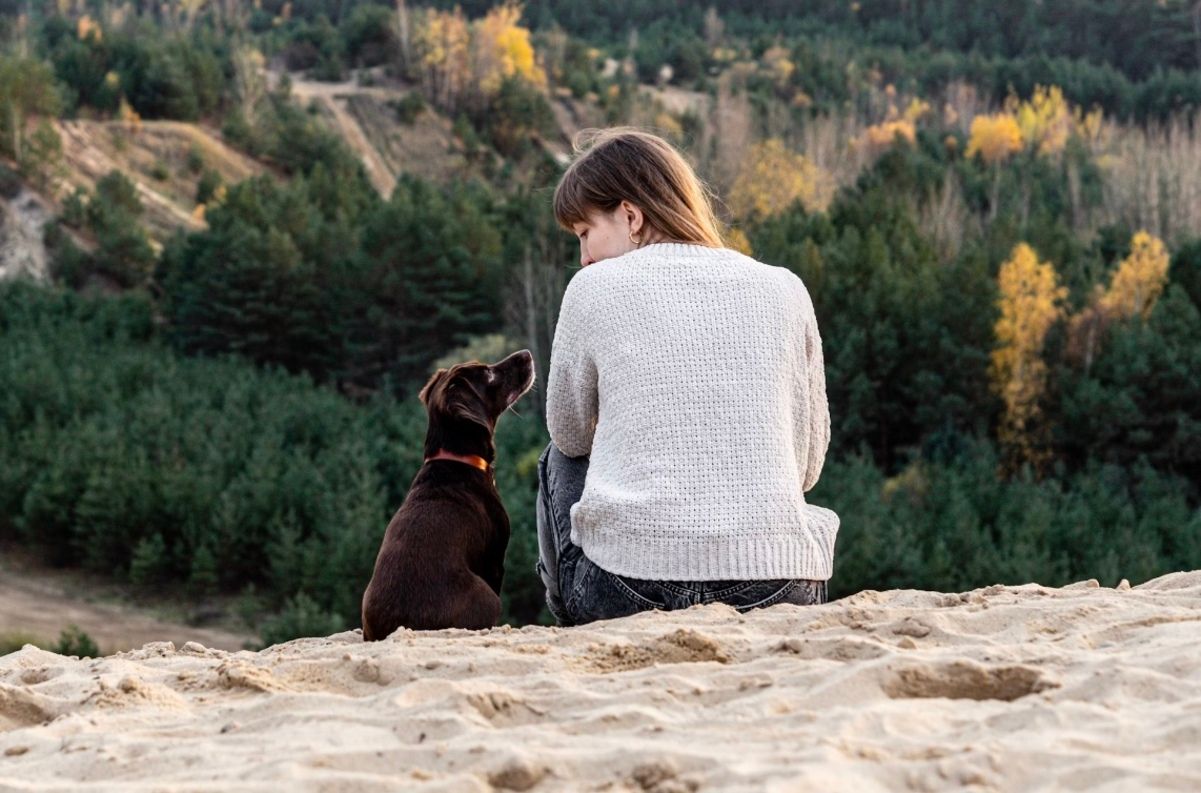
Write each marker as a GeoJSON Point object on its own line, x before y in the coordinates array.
{"type": "Point", "coordinates": [442, 559]}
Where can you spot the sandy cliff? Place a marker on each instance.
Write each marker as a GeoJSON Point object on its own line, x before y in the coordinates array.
{"type": "Point", "coordinates": [1004, 688]}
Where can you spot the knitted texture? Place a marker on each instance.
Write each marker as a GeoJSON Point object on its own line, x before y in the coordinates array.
{"type": "Point", "coordinates": [693, 378]}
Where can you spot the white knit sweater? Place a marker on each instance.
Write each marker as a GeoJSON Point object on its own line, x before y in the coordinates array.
{"type": "Point", "coordinates": [694, 379]}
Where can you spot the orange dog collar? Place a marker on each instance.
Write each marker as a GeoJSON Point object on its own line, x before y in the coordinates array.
{"type": "Point", "coordinates": [470, 459]}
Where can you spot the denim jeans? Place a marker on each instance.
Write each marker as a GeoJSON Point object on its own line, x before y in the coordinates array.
{"type": "Point", "coordinates": [578, 591]}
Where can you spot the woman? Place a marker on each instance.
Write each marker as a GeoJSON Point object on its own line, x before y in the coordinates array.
{"type": "Point", "coordinates": [686, 404]}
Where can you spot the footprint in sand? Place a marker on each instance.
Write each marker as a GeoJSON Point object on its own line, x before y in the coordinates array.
{"type": "Point", "coordinates": [503, 708]}
{"type": "Point", "coordinates": [682, 646]}
{"type": "Point", "coordinates": [20, 707]}
{"type": "Point", "coordinates": [965, 680]}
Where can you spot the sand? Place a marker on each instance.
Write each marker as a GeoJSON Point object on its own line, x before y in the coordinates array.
{"type": "Point", "coordinates": [1021, 688]}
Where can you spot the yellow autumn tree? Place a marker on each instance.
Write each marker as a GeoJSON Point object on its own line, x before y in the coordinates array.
{"type": "Point", "coordinates": [87, 28]}
{"type": "Point", "coordinates": [1133, 289]}
{"type": "Point", "coordinates": [777, 65]}
{"type": "Point", "coordinates": [131, 117]}
{"type": "Point", "coordinates": [1088, 126]}
{"type": "Point", "coordinates": [502, 49]}
{"type": "Point", "coordinates": [441, 44]}
{"type": "Point", "coordinates": [465, 63]}
{"type": "Point", "coordinates": [1045, 119]}
{"type": "Point", "coordinates": [879, 137]}
{"type": "Point", "coordinates": [772, 178]}
{"type": "Point", "coordinates": [1031, 302]}
{"type": "Point", "coordinates": [994, 137]}
{"type": "Point", "coordinates": [1139, 279]}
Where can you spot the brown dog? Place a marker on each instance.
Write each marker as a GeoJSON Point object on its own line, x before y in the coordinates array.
{"type": "Point", "coordinates": [442, 558]}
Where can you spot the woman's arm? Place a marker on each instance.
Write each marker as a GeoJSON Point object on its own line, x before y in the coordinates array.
{"type": "Point", "coordinates": [571, 395]}
{"type": "Point", "coordinates": [816, 433]}
{"type": "Point", "coordinates": [819, 407]}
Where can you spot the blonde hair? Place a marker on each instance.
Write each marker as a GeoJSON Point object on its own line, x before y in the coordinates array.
{"type": "Point", "coordinates": [626, 163]}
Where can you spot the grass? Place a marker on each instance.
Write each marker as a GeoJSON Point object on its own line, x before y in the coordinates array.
{"type": "Point", "coordinates": [11, 642]}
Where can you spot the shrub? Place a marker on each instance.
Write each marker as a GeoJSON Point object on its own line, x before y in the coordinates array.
{"type": "Point", "coordinates": [73, 641]}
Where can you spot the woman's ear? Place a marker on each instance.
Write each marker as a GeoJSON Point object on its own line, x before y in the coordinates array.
{"type": "Point", "coordinates": [633, 216]}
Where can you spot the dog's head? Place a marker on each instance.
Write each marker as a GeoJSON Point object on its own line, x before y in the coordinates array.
{"type": "Point", "coordinates": [464, 402]}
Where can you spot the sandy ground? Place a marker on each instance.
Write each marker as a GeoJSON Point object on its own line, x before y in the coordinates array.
{"type": "Point", "coordinates": [1004, 688]}
{"type": "Point", "coordinates": [39, 603]}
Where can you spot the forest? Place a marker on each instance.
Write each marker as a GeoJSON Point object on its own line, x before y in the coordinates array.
{"type": "Point", "coordinates": [996, 209]}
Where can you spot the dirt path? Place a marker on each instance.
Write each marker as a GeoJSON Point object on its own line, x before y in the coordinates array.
{"type": "Point", "coordinates": [333, 98]}
{"type": "Point", "coordinates": [38, 603]}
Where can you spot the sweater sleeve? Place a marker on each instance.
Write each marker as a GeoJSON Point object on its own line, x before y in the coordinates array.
{"type": "Point", "coordinates": [571, 386]}
{"type": "Point", "coordinates": [819, 407]}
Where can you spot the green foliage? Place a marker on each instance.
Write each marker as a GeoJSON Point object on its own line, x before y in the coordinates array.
{"type": "Point", "coordinates": [293, 139]}
{"type": "Point", "coordinates": [69, 266]}
{"type": "Point", "coordinates": [906, 336]}
{"type": "Point", "coordinates": [236, 130]}
{"type": "Point", "coordinates": [207, 186]}
{"type": "Point", "coordinates": [166, 463]}
{"type": "Point", "coordinates": [12, 642]}
{"type": "Point", "coordinates": [1140, 400]}
{"type": "Point", "coordinates": [208, 474]}
{"type": "Point", "coordinates": [195, 160]}
{"type": "Point", "coordinates": [950, 524]}
{"type": "Point", "coordinates": [302, 616]}
{"type": "Point", "coordinates": [409, 107]}
{"type": "Point", "coordinates": [10, 182]}
{"type": "Point", "coordinates": [75, 642]}
{"type": "Point", "coordinates": [28, 92]}
{"type": "Point", "coordinates": [1145, 71]}
{"type": "Point", "coordinates": [150, 563]}
{"type": "Point", "coordinates": [122, 253]}
{"type": "Point", "coordinates": [425, 248]}
{"type": "Point", "coordinates": [203, 577]}
{"type": "Point", "coordinates": [517, 112]}
{"type": "Point", "coordinates": [319, 276]}
{"type": "Point", "coordinates": [315, 47]}
{"type": "Point", "coordinates": [1186, 270]}
{"type": "Point", "coordinates": [367, 35]}
{"type": "Point", "coordinates": [258, 281]}
{"type": "Point", "coordinates": [161, 76]}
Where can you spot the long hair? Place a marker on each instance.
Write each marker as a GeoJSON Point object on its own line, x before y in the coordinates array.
{"type": "Point", "coordinates": [625, 163]}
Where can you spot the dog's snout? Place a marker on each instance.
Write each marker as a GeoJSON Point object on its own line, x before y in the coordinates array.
{"type": "Point", "coordinates": [520, 357]}
{"type": "Point", "coordinates": [517, 372]}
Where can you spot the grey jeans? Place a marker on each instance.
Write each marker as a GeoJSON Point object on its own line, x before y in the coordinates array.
{"type": "Point", "coordinates": [578, 591]}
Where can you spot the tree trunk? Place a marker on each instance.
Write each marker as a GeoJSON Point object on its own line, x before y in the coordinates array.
{"type": "Point", "coordinates": [531, 326]}
{"type": "Point", "coordinates": [14, 118]}
{"type": "Point", "coordinates": [402, 36]}
{"type": "Point", "coordinates": [1197, 31]}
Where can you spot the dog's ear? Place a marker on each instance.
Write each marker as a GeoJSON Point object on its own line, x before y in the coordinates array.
{"type": "Point", "coordinates": [471, 410]}
{"type": "Point", "coordinates": [462, 399]}
{"type": "Point", "coordinates": [436, 378]}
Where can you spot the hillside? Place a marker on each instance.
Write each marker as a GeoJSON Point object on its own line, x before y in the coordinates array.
{"type": "Point", "coordinates": [37, 603]}
{"type": "Point", "coordinates": [155, 155]}
{"type": "Point", "coordinates": [165, 159]}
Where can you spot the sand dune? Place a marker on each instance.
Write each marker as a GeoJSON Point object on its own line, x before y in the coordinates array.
{"type": "Point", "coordinates": [1004, 688]}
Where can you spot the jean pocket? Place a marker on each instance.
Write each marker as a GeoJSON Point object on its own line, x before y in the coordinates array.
{"type": "Point", "coordinates": [643, 593]}
{"type": "Point", "coordinates": [757, 594]}
{"type": "Point", "coordinates": [601, 595]}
